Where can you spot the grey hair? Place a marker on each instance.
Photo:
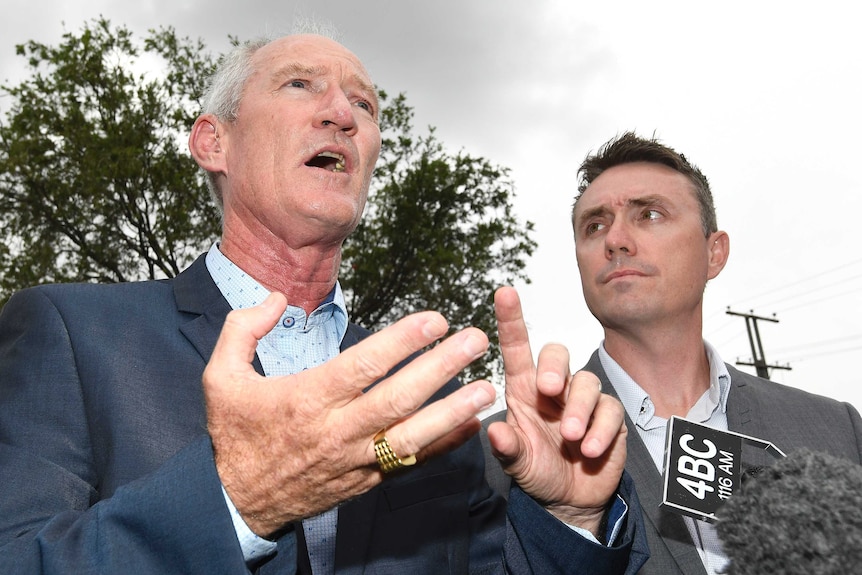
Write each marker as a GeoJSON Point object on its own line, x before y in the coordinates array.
{"type": "Point", "coordinates": [223, 95]}
{"type": "Point", "coordinates": [226, 85]}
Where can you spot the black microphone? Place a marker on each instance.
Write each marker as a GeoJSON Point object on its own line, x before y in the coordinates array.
{"type": "Point", "coordinates": [802, 515]}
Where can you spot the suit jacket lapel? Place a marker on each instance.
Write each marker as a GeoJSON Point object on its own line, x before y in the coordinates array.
{"type": "Point", "coordinates": [197, 294]}
{"type": "Point", "coordinates": [648, 482]}
{"type": "Point", "coordinates": [743, 416]}
{"type": "Point", "coordinates": [740, 417]}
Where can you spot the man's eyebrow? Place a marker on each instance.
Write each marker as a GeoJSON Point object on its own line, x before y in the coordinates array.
{"type": "Point", "coordinates": [295, 69]}
{"type": "Point", "coordinates": [644, 201]}
{"type": "Point", "coordinates": [638, 202]}
{"type": "Point", "coordinates": [591, 213]}
{"type": "Point", "coordinates": [368, 89]}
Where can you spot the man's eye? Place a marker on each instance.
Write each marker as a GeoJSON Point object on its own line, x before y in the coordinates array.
{"type": "Point", "coordinates": [297, 84]}
{"type": "Point", "coordinates": [651, 215]}
{"type": "Point", "coordinates": [593, 228]}
{"type": "Point", "coordinates": [366, 105]}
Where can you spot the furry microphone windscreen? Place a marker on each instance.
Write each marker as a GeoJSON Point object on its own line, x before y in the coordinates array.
{"type": "Point", "coordinates": [802, 515]}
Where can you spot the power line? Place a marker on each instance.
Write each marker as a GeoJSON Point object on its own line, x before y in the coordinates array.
{"type": "Point", "coordinates": [819, 343]}
{"type": "Point", "coordinates": [726, 324]}
{"type": "Point", "coordinates": [825, 298]}
{"type": "Point", "coordinates": [829, 352]}
{"type": "Point", "coordinates": [786, 286]}
{"type": "Point", "coordinates": [727, 340]}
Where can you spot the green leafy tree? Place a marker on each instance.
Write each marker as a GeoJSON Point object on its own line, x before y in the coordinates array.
{"type": "Point", "coordinates": [96, 184]}
{"type": "Point", "coordinates": [438, 233]}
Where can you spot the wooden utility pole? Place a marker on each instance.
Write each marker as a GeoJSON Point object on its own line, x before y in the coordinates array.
{"type": "Point", "coordinates": [758, 357]}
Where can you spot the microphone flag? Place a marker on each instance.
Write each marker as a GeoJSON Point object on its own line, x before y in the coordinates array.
{"type": "Point", "coordinates": [702, 467]}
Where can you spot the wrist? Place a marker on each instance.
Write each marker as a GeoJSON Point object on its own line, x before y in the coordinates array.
{"type": "Point", "coordinates": [592, 519]}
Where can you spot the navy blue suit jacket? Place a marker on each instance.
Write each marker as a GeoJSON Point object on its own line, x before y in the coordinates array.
{"type": "Point", "coordinates": [106, 465]}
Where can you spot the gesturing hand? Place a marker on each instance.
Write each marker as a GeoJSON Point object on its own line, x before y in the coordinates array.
{"type": "Point", "coordinates": [563, 441]}
{"type": "Point", "coordinates": [291, 447]}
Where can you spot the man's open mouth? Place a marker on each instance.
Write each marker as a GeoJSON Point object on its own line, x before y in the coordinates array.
{"type": "Point", "coordinates": [327, 161]}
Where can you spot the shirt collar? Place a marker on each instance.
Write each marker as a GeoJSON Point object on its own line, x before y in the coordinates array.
{"type": "Point", "coordinates": [719, 377]}
{"type": "Point", "coordinates": [243, 291]}
{"type": "Point", "coordinates": [637, 402]}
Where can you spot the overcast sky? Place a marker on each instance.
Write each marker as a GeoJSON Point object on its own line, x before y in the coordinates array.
{"type": "Point", "coordinates": [763, 96]}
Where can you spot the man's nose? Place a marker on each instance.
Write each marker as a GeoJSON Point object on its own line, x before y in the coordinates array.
{"type": "Point", "coordinates": [336, 112]}
{"type": "Point", "coordinates": [619, 239]}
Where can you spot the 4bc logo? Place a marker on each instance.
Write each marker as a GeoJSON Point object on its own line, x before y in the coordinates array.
{"type": "Point", "coordinates": [697, 469]}
{"type": "Point", "coordinates": [702, 468]}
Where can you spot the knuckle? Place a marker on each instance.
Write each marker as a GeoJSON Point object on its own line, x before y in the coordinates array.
{"type": "Point", "coordinates": [612, 407]}
{"type": "Point", "coordinates": [404, 443]}
{"type": "Point", "coordinates": [586, 381]}
{"type": "Point", "coordinates": [554, 352]}
{"type": "Point", "coordinates": [369, 368]}
{"type": "Point", "coordinates": [400, 401]}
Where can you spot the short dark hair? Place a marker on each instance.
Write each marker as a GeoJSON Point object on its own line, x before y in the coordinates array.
{"type": "Point", "coordinates": [629, 148]}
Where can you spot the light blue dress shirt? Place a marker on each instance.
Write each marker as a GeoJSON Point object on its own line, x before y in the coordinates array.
{"type": "Point", "coordinates": [297, 342]}
{"type": "Point", "coordinates": [710, 409]}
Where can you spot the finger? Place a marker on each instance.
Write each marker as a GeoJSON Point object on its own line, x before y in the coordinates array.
{"type": "Point", "coordinates": [552, 370]}
{"type": "Point", "coordinates": [514, 339]}
{"type": "Point", "coordinates": [451, 440]}
{"type": "Point", "coordinates": [581, 401]}
{"type": "Point", "coordinates": [243, 328]}
{"type": "Point", "coordinates": [607, 423]}
{"type": "Point", "coordinates": [505, 444]}
{"type": "Point", "coordinates": [371, 359]}
{"type": "Point", "coordinates": [434, 423]}
{"type": "Point", "coordinates": [411, 386]}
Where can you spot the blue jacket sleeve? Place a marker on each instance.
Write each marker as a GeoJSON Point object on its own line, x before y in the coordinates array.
{"type": "Point", "coordinates": [538, 543]}
{"type": "Point", "coordinates": [152, 524]}
{"type": "Point", "coordinates": [54, 517]}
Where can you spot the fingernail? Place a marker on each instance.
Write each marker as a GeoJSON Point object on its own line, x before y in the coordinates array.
{"type": "Point", "coordinates": [483, 397]}
{"type": "Point", "coordinates": [435, 327]}
{"type": "Point", "coordinates": [475, 346]}
{"type": "Point", "coordinates": [551, 379]}
{"type": "Point", "coordinates": [595, 447]}
{"type": "Point", "coordinates": [570, 427]}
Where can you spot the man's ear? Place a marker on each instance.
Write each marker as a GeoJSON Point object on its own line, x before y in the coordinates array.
{"type": "Point", "coordinates": [205, 144]}
{"type": "Point", "coordinates": [719, 251]}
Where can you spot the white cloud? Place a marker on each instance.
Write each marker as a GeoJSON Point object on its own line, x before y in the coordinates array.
{"type": "Point", "coordinates": [764, 97]}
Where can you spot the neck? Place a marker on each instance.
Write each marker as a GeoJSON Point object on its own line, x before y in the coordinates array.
{"type": "Point", "coordinates": [670, 365]}
{"type": "Point", "coordinates": [304, 274]}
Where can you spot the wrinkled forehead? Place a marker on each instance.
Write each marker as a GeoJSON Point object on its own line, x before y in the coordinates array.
{"type": "Point", "coordinates": [623, 183]}
{"type": "Point", "coordinates": [312, 51]}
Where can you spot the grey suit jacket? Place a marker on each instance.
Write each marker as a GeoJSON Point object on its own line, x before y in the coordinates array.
{"type": "Point", "coordinates": [788, 417]}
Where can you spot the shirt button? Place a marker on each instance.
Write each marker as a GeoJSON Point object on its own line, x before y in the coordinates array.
{"type": "Point", "coordinates": [288, 322]}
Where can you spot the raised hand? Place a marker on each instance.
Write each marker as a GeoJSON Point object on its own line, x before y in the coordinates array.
{"type": "Point", "coordinates": [291, 447]}
{"type": "Point", "coordinates": [563, 441]}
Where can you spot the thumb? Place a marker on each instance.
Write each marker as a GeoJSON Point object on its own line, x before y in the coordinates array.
{"type": "Point", "coordinates": [506, 446]}
{"type": "Point", "coordinates": [242, 330]}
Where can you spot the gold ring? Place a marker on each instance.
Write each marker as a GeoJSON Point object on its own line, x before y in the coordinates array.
{"type": "Point", "coordinates": [386, 458]}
